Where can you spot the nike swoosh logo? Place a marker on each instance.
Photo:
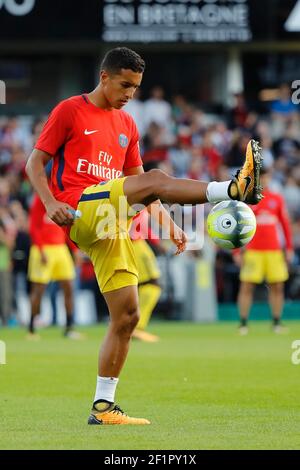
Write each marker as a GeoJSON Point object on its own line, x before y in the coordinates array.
{"type": "Point", "coordinates": [248, 181]}
{"type": "Point", "coordinates": [86, 132]}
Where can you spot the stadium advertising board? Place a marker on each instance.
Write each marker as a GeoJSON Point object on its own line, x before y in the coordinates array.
{"type": "Point", "coordinates": [150, 21]}
{"type": "Point", "coordinates": [176, 21]}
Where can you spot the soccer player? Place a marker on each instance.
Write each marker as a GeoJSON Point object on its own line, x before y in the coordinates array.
{"type": "Point", "coordinates": [264, 258]}
{"type": "Point", "coordinates": [49, 260]}
{"type": "Point", "coordinates": [97, 165]}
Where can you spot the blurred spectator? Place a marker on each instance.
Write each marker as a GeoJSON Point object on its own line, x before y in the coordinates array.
{"type": "Point", "coordinates": [283, 112]}
{"type": "Point", "coordinates": [197, 170]}
{"type": "Point", "coordinates": [283, 108]}
{"type": "Point", "coordinates": [180, 157]}
{"type": "Point", "coordinates": [267, 152]}
{"type": "Point", "coordinates": [236, 154]}
{"type": "Point", "coordinates": [20, 252]}
{"type": "Point", "coordinates": [6, 245]}
{"type": "Point", "coordinates": [154, 150]}
{"type": "Point", "coordinates": [198, 125]}
{"type": "Point", "coordinates": [36, 129]}
{"type": "Point", "coordinates": [221, 138]}
{"type": "Point", "coordinates": [178, 137]}
{"type": "Point", "coordinates": [288, 146]}
{"type": "Point", "coordinates": [263, 258]}
{"type": "Point", "coordinates": [251, 123]}
{"type": "Point", "coordinates": [182, 111]}
{"type": "Point", "coordinates": [223, 173]}
{"type": "Point", "coordinates": [158, 111]}
{"type": "Point", "coordinates": [135, 108]}
{"type": "Point", "coordinates": [12, 137]}
{"type": "Point", "coordinates": [296, 174]}
{"type": "Point", "coordinates": [280, 170]}
{"type": "Point", "coordinates": [296, 237]}
{"type": "Point", "coordinates": [291, 194]}
{"type": "Point", "coordinates": [211, 155]}
{"type": "Point", "coordinates": [239, 112]}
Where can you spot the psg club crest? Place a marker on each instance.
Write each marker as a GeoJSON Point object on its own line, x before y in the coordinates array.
{"type": "Point", "coordinates": [123, 140]}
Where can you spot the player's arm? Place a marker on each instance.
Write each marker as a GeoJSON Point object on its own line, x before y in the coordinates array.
{"type": "Point", "coordinates": [35, 169]}
{"type": "Point", "coordinates": [162, 216]}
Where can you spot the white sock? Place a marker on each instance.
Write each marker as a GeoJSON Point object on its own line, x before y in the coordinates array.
{"type": "Point", "coordinates": [217, 192]}
{"type": "Point", "coordinates": [106, 388]}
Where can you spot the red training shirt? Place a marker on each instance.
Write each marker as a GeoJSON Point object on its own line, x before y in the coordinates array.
{"type": "Point", "coordinates": [41, 229]}
{"type": "Point", "coordinates": [270, 212]}
{"type": "Point", "coordinates": [88, 145]}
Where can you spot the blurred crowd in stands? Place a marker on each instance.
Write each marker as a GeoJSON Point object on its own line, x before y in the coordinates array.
{"type": "Point", "coordinates": [176, 136]}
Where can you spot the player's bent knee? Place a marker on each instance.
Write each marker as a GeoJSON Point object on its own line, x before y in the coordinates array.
{"type": "Point", "coordinates": [134, 319]}
{"type": "Point", "coordinates": [127, 322]}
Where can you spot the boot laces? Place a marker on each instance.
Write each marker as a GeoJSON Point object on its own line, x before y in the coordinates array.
{"type": "Point", "coordinates": [118, 410]}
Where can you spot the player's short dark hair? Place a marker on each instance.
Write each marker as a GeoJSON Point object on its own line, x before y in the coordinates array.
{"type": "Point", "coordinates": [122, 58]}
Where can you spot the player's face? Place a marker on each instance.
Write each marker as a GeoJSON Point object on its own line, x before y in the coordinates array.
{"type": "Point", "coordinates": [120, 88]}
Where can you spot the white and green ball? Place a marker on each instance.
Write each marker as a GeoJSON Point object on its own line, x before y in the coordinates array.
{"type": "Point", "coordinates": [231, 224]}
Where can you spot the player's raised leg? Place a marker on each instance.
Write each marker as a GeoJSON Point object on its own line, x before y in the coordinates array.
{"type": "Point", "coordinates": [124, 316]}
{"type": "Point", "coordinates": [148, 187]}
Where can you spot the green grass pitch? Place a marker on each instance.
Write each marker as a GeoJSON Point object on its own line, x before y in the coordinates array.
{"type": "Point", "coordinates": [202, 386]}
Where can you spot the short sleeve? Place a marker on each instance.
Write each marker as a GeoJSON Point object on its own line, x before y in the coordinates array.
{"type": "Point", "coordinates": [133, 157]}
{"type": "Point", "coordinates": [57, 128]}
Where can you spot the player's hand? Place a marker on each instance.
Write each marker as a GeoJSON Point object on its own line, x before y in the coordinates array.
{"type": "Point", "coordinates": [179, 238]}
{"type": "Point", "coordinates": [59, 213]}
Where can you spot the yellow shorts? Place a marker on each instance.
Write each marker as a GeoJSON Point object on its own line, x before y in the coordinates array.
{"type": "Point", "coordinates": [264, 265]}
{"type": "Point", "coordinates": [102, 233]}
{"type": "Point", "coordinates": [59, 266]}
{"type": "Point", "coordinates": [146, 262]}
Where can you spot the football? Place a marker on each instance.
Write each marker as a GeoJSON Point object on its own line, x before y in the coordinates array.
{"type": "Point", "coordinates": [231, 224]}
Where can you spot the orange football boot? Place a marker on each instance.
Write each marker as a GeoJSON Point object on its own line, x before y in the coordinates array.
{"type": "Point", "coordinates": [112, 414]}
{"type": "Point", "coordinates": [247, 179]}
